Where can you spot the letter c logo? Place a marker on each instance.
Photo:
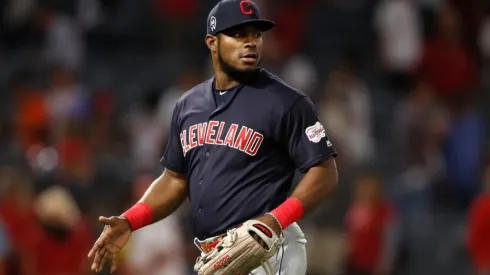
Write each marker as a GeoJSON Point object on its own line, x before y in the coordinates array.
{"type": "Point", "coordinates": [246, 7]}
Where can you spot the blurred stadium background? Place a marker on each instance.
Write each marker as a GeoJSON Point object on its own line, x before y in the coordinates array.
{"type": "Point", "coordinates": [88, 86]}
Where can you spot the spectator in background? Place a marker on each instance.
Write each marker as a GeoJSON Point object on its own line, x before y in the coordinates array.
{"type": "Point", "coordinates": [16, 211]}
{"type": "Point", "coordinates": [300, 72]}
{"type": "Point", "coordinates": [400, 34]}
{"type": "Point", "coordinates": [179, 14]}
{"type": "Point", "coordinates": [346, 112]}
{"type": "Point", "coordinates": [67, 101]}
{"type": "Point", "coordinates": [291, 19]}
{"type": "Point", "coordinates": [479, 227]}
{"type": "Point", "coordinates": [146, 132]}
{"type": "Point", "coordinates": [450, 70]}
{"type": "Point", "coordinates": [64, 41]}
{"type": "Point", "coordinates": [31, 115]}
{"type": "Point", "coordinates": [420, 128]}
{"type": "Point", "coordinates": [370, 225]}
{"type": "Point", "coordinates": [463, 154]}
{"type": "Point", "coordinates": [62, 238]}
{"type": "Point", "coordinates": [446, 65]}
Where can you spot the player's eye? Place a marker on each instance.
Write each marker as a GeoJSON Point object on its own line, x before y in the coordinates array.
{"type": "Point", "coordinates": [238, 34]}
{"type": "Point", "coordinates": [257, 34]}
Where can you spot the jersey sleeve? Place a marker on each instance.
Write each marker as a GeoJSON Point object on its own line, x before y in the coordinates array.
{"type": "Point", "coordinates": [304, 137]}
{"type": "Point", "coordinates": [173, 157]}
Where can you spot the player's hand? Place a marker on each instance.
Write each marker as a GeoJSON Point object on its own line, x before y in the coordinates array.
{"type": "Point", "coordinates": [115, 235]}
{"type": "Point", "coordinates": [272, 223]}
{"type": "Point", "coordinates": [239, 252]}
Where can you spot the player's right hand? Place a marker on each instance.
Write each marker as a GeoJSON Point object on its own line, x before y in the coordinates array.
{"type": "Point", "coordinates": [115, 235]}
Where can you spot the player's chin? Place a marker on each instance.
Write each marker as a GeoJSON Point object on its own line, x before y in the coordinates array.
{"type": "Point", "coordinates": [248, 66]}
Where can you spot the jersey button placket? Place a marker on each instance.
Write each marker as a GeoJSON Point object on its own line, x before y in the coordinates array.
{"type": "Point", "coordinates": [206, 155]}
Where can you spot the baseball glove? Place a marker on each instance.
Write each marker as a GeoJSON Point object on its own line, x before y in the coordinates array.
{"type": "Point", "coordinates": [242, 250]}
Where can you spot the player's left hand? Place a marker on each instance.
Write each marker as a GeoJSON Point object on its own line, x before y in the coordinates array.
{"type": "Point", "coordinates": [243, 249]}
{"type": "Point", "coordinates": [272, 223]}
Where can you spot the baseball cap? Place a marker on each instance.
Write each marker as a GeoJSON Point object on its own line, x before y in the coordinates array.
{"type": "Point", "coordinates": [231, 13]}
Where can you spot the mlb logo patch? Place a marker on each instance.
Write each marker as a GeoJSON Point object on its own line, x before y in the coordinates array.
{"type": "Point", "coordinates": [316, 132]}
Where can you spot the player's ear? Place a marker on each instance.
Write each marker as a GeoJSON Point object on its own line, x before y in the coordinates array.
{"type": "Point", "coordinates": [211, 42]}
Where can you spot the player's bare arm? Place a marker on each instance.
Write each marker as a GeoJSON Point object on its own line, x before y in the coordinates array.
{"type": "Point", "coordinates": [317, 184]}
{"type": "Point", "coordinates": [161, 199]}
{"type": "Point", "coordinates": [166, 194]}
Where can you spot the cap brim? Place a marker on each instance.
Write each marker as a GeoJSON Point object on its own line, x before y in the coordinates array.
{"type": "Point", "coordinates": [261, 24]}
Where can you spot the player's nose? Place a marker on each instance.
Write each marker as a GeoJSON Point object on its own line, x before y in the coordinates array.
{"type": "Point", "coordinates": [250, 42]}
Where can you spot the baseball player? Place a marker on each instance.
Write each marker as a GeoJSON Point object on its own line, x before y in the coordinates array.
{"type": "Point", "coordinates": [235, 142]}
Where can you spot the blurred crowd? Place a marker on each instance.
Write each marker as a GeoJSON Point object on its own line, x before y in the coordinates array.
{"type": "Point", "coordinates": [88, 87]}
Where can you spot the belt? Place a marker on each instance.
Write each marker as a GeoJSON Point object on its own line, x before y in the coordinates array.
{"type": "Point", "coordinates": [207, 246]}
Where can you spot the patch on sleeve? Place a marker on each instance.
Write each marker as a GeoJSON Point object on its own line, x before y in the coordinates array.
{"type": "Point", "coordinates": [316, 132]}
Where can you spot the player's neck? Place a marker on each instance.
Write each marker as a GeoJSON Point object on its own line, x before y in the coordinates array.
{"type": "Point", "coordinates": [224, 82]}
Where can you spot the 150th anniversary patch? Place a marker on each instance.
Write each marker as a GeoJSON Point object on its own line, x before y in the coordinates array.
{"type": "Point", "coordinates": [315, 133]}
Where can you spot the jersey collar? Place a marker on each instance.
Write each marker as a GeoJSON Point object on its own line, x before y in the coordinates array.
{"type": "Point", "coordinates": [208, 94]}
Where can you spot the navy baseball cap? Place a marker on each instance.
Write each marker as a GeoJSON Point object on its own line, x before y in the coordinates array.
{"type": "Point", "coordinates": [231, 13]}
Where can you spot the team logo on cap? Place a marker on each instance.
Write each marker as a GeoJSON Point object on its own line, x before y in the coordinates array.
{"type": "Point", "coordinates": [212, 23]}
{"type": "Point", "coordinates": [246, 7]}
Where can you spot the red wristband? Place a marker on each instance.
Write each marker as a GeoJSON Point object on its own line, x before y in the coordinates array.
{"type": "Point", "coordinates": [288, 212]}
{"type": "Point", "coordinates": [138, 216]}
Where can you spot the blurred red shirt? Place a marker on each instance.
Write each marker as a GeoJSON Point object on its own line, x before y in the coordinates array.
{"type": "Point", "coordinates": [366, 227]}
{"type": "Point", "coordinates": [68, 257]}
{"type": "Point", "coordinates": [479, 232]}
{"type": "Point", "coordinates": [31, 117]}
{"type": "Point", "coordinates": [19, 222]}
{"type": "Point", "coordinates": [291, 22]}
{"type": "Point", "coordinates": [177, 8]}
{"type": "Point", "coordinates": [447, 67]}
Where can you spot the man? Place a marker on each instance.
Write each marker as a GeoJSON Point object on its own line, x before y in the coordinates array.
{"type": "Point", "coordinates": [235, 141]}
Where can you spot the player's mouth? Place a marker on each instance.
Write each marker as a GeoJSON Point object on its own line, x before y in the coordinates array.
{"type": "Point", "coordinates": [250, 57]}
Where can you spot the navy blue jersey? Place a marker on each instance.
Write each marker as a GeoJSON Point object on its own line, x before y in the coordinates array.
{"type": "Point", "coordinates": [240, 157]}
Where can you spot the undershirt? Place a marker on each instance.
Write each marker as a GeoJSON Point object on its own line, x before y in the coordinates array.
{"type": "Point", "coordinates": [222, 97]}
